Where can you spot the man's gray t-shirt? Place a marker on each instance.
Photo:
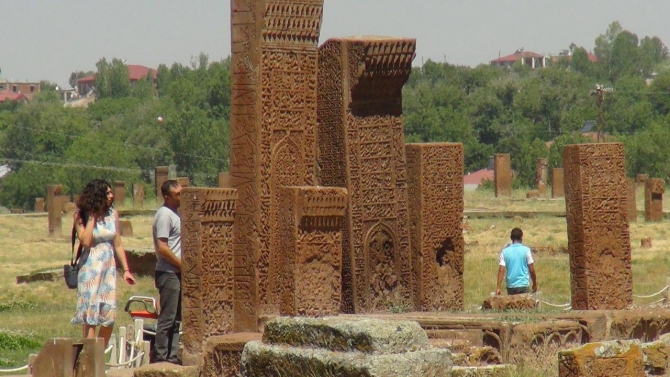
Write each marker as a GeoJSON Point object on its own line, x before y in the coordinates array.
{"type": "Point", "coordinates": [167, 224]}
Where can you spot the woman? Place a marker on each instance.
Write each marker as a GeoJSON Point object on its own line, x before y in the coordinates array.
{"type": "Point", "coordinates": [96, 223]}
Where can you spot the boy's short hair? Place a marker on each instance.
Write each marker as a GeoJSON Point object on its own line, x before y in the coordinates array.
{"type": "Point", "coordinates": [516, 234]}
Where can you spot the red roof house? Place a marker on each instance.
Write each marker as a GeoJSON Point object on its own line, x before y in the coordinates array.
{"type": "Point", "coordinates": [532, 59]}
{"type": "Point", "coordinates": [135, 73]}
{"type": "Point", "coordinates": [474, 179]}
{"type": "Point", "coordinates": [11, 96]}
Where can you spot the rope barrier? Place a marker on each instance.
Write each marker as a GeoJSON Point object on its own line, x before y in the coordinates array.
{"type": "Point", "coordinates": [139, 354]}
{"type": "Point", "coordinates": [557, 306]}
{"type": "Point", "coordinates": [14, 370]}
{"type": "Point", "coordinates": [109, 349]}
{"type": "Point", "coordinates": [654, 294]}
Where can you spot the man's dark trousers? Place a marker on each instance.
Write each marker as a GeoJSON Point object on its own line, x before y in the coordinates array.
{"type": "Point", "coordinates": [169, 319]}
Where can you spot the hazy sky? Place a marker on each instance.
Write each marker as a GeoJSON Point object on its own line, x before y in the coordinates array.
{"type": "Point", "coordinates": [48, 39]}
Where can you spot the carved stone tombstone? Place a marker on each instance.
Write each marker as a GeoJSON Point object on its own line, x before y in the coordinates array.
{"type": "Point", "coordinates": [632, 200]}
{"type": "Point", "coordinates": [207, 271]}
{"type": "Point", "coordinates": [183, 181]}
{"type": "Point", "coordinates": [502, 174]}
{"type": "Point", "coordinates": [224, 180]}
{"type": "Point", "coordinates": [361, 147]}
{"type": "Point", "coordinates": [653, 199]}
{"type": "Point", "coordinates": [161, 175]}
{"type": "Point", "coordinates": [557, 183]}
{"type": "Point", "coordinates": [138, 194]}
{"type": "Point", "coordinates": [39, 205]}
{"type": "Point", "coordinates": [119, 191]}
{"type": "Point", "coordinates": [598, 232]}
{"type": "Point", "coordinates": [311, 223]}
{"type": "Point", "coordinates": [541, 176]}
{"type": "Point", "coordinates": [54, 207]}
{"type": "Point", "coordinates": [273, 141]}
{"type": "Point", "coordinates": [435, 186]}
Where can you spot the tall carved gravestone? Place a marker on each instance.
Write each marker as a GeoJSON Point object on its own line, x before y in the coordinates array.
{"type": "Point", "coordinates": [632, 200]}
{"type": "Point", "coordinates": [598, 233]}
{"type": "Point", "coordinates": [54, 206]}
{"type": "Point", "coordinates": [541, 175]}
{"type": "Point", "coordinates": [311, 223]}
{"type": "Point", "coordinates": [39, 205]}
{"type": "Point", "coordinates": [361, 147]}
{"type": "Point", "coordinates": [502, 174]}
{"type": "Point", "coordinates": [160, 176]}
{"type": "Point", "coordinates": [273, 122]}
{"type": "Point", "coordinates": [119, 191]}
{"type": "Point", "coordinates": [138, 194]}
{"type": "Point", "coordinates": [557, 183]}
{"type": "Point", "coordinates": [435, 187]}
{"type": "Point", "coordinates": [653, 199]}
{"type": "Point", "coordinates": [207, 271]}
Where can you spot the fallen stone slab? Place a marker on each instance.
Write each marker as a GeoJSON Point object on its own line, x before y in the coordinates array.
{"type": "Point", "coordinates": [656, 358]}
{"type": "Point", "coordinates": [52, 275]}
{"type": "Point", "coordinates": [505, 370]}
{"type": "Point", "coordinates": [514, 302]}
{"type": "Point", "coordinates": [613, 358]}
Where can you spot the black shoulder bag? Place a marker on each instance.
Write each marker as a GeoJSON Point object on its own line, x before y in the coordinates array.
{"type": "Point", "coordinates": [71, 271]}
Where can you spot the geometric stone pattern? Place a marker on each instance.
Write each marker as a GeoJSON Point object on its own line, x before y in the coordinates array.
{"type": "Point", "coordinates": [160, 176]}
{"type": "Point", "coordinates": [329, 347]}
{"type": "Point", "coordinates": [207, 272]}
{"type": "Point", "coordinates": [273, 142]}
{"type": "Point", "coordinates": [598, 231]}
{"type": "Point", "coordinates": [653, 199]}
{"type": "Point", "coordinates": [502, 174]}
{"type": "Point", "coordinates": [361, 147]}
{"type": "Point", "coordinates": [311, 221]}
{"type": "Point", "coordinates": [222, 354]}
{"type": "Point", "coordinates": [435, 192]}
{"type": "Point", "coordinates": [557, 183]}
{"type": "Point", "coordinates": [632, 200]}
{"type": "Point", "coordinates": [606, 359]}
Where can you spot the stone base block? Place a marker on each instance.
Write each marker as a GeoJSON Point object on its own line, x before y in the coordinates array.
{"type": "Point", "coordinates": [514, 302]}
{"type": "Point", "coordinates": [615, 358]}
{"type": "Point", "coordinates": [372, 336]}
{"type": "Point", "coordinates": [487, 371]}
{"type": "Point", "coordinates": [167, 370]}
{"type": "Point", "coordinates": [269, 360]}
{"type": "Point", "coordinates": [40, 276]}
{"type": "Point", "coordinates": [222, 354]}
{"type": "Point", "coordinates": [532, 194]}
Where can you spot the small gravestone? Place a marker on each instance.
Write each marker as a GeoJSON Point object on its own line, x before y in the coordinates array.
{"type": "Point", "coordinates": [126, 228]}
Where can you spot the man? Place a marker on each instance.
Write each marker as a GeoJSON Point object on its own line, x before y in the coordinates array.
{"type": "Point", "coordinates": [518, 261]}
{"type": "Point", "coordinates": [167, 244]}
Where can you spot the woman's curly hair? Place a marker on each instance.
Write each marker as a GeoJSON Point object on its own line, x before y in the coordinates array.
{"type": "Point", "coordinates": [94, 197]}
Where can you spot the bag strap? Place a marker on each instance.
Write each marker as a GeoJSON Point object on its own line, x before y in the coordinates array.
{"type": "Point", "coordinates": [74, 260]}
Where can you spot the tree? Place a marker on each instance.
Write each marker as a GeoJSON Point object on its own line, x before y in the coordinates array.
{"type": "Point", "coordinates": [625, 58]}
{"type": "Point", "coordinates": [112, 79]}
{"type": "Point", "coordinates": [580, 62]}
{"type": "Point", "coordinates": [74, 76]}
{"type": "Point", "coordinates": [603, 44]}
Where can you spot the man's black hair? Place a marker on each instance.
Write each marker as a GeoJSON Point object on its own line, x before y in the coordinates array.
{"type": "Point", "coordinates": [167, 186]}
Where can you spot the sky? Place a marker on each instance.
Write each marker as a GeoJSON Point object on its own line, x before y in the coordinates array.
{"type": "Point", "coordinates": [47, 40]}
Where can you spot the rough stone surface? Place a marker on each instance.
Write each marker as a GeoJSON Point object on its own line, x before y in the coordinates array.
{"type": "Point", "coordinates": [598, 232]}
{"type": "Point", "coordinates": [541, 174]}
{"type": "Point", "coordinates": [207, 273]}
{"type": "Point", "coordinates": [653, 199]}
{"type": "Point", "coordinates": [273, 135]}
{"type": "Point", "coordinates": [502, 174]}
{"type": "Point", "coordinates": [362, 148]}
{"type": "Point", "coordinates": [167, 370]}
{"type": "Point", "coordinates": [91, 359]}
{"type": "Point", "coordinates": [138, 194]}
{"type": "Point", "coordinates": [160, 176]}
{"type": "Point", "coordinates": [223, 354]}
{"type": "Point", "coordinates": [39, 205]}
{"type": "Point", "coordinates": [647, 325]}
{"type": "Point", "coordinates": [557, 183]}
{"type": "Point", "coordinates": [261, 360]}
{"type": "Point", "coordinates": [224, 180]}
{"type": "Point", "coordinates": [632, 200]}
{"type": "Point", "coordinates": [310, 250]}
{"type": "Point", "coordinates": [370, 336]}
{"type": "Point", "coordinates": [126, 228]}
{"type": "Point", "coordinates": [54, 206]}
{"type": "Point", "coordinates": [183, 181]}
{"type": "Point", "coordinates": [435, 192]}
{"type": "Point", "coordinates": [119, 192]}
{"type": "Point", "coordinates": [640, 179]}
{"type": "Point", "coordinates": [656, 358]}
{"type": "Point", "coordinates": [515, 302]}
{"type": "Point", "coordinates": [484, 371]}
{"type": "Point", "coordinates": [55, 359]}
{"type": "Point", "coordinates": [606, 359]}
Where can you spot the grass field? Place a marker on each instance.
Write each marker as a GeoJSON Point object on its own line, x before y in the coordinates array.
{"type": "Point", "coordinates": [32, 313]}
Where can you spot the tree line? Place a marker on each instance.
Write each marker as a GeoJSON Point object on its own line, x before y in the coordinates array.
{"type": "Point", "coordinates": [182, 119]}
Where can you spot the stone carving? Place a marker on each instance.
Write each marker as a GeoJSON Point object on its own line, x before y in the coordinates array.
{"type": "Point", "coordinates": [615, 358]}
{"type": "Point", "coordinates": [541, 175]}
{"type": "Point", "coordinates": [502, 174]}
{"type": "Point", "coordinates": [598, 233]}
{"type": "Point", "coordinates": [310, 233]}
{"type": "Point", "coordinates": [138, 194]}
{"type": "Point", "coordinates": [632, 200]}
{"type": "Point", "coordinates": [223, 353]}
{"type": "Point", "coordinates": [207, 271]}
{"type": "Point", "coordinates": [435, 192]}
{"type": "Point", "coordinates": [160, 176]}
{"type": "Point", "coordinates": [224, 180]}
{"type": "Point", "coordinates": [273, 123]}
{"type": "Point", "coordinates": [361, 147]}
{"type": "Point", "coordinates": [653, 199]}
{"type": "Point", "coordinates": [557, 183]}
{"type": "Point", "coordinates": [54, 207]}
{"type": "Point", "coordinates": [119, 191]}
{"type": "Point", "coordinates": [39, 205]}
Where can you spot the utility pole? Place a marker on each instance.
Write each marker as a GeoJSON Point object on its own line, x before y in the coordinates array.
{"type": "Point", "coordinates": [599, 92]}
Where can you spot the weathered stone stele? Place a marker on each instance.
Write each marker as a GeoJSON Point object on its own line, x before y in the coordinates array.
{"type": "Point", "coordinates": [223, 353]}
{"type": "Point", "coordinates": [54, 208]}
{"type": "Point", "coordinates": [606, 359]}
{"type": "Point", "coordinates": [557, 183]}
{"type": "Point", "coordinates": [329, 347]}
{"type": "Point", "coordinates": [160, 176]}
{"type": "Point", "coordinates": [598, 233]}
{"type": "Point", "coordinates": [119, 192]}
{"type": "Point", "coordinates": [183, 181]}
{"type": "Point", "coordinates": [653, 199]}
{"type": "Point", "coordinates": [502, 174]}
{"type": "Point", "coordinates": [207, 272]}
{"type": "Point", "coordinates": [273, 143]}
{"type": "Point", "coordinates": [541, 174]}
{"type": "Point", "coordinates": [138, 194]}
{"type": "Point", "coordinates": [126, 228]}
{"type": "Point", "coordinates": [632, 200]}
{"type": "Point", "coordinates": [39, 205]}
{"type": "Point", "coordinates": [435, 192]}
{"type": "Point", "coordinates": [224, 180]}
{"type": "Point", "coordinates": [361, 147]}
{"type": "Point", "coordinates": [640, 179]}
{"type": "Point", "coordinates": [311, 221]}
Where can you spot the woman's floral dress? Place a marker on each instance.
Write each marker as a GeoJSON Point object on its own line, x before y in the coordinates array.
{"type": "Point", "coordinates": [96, 288]}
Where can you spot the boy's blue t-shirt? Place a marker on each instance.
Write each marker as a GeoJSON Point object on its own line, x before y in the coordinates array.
{"type": "Point", "coordinates": [516, 258]}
